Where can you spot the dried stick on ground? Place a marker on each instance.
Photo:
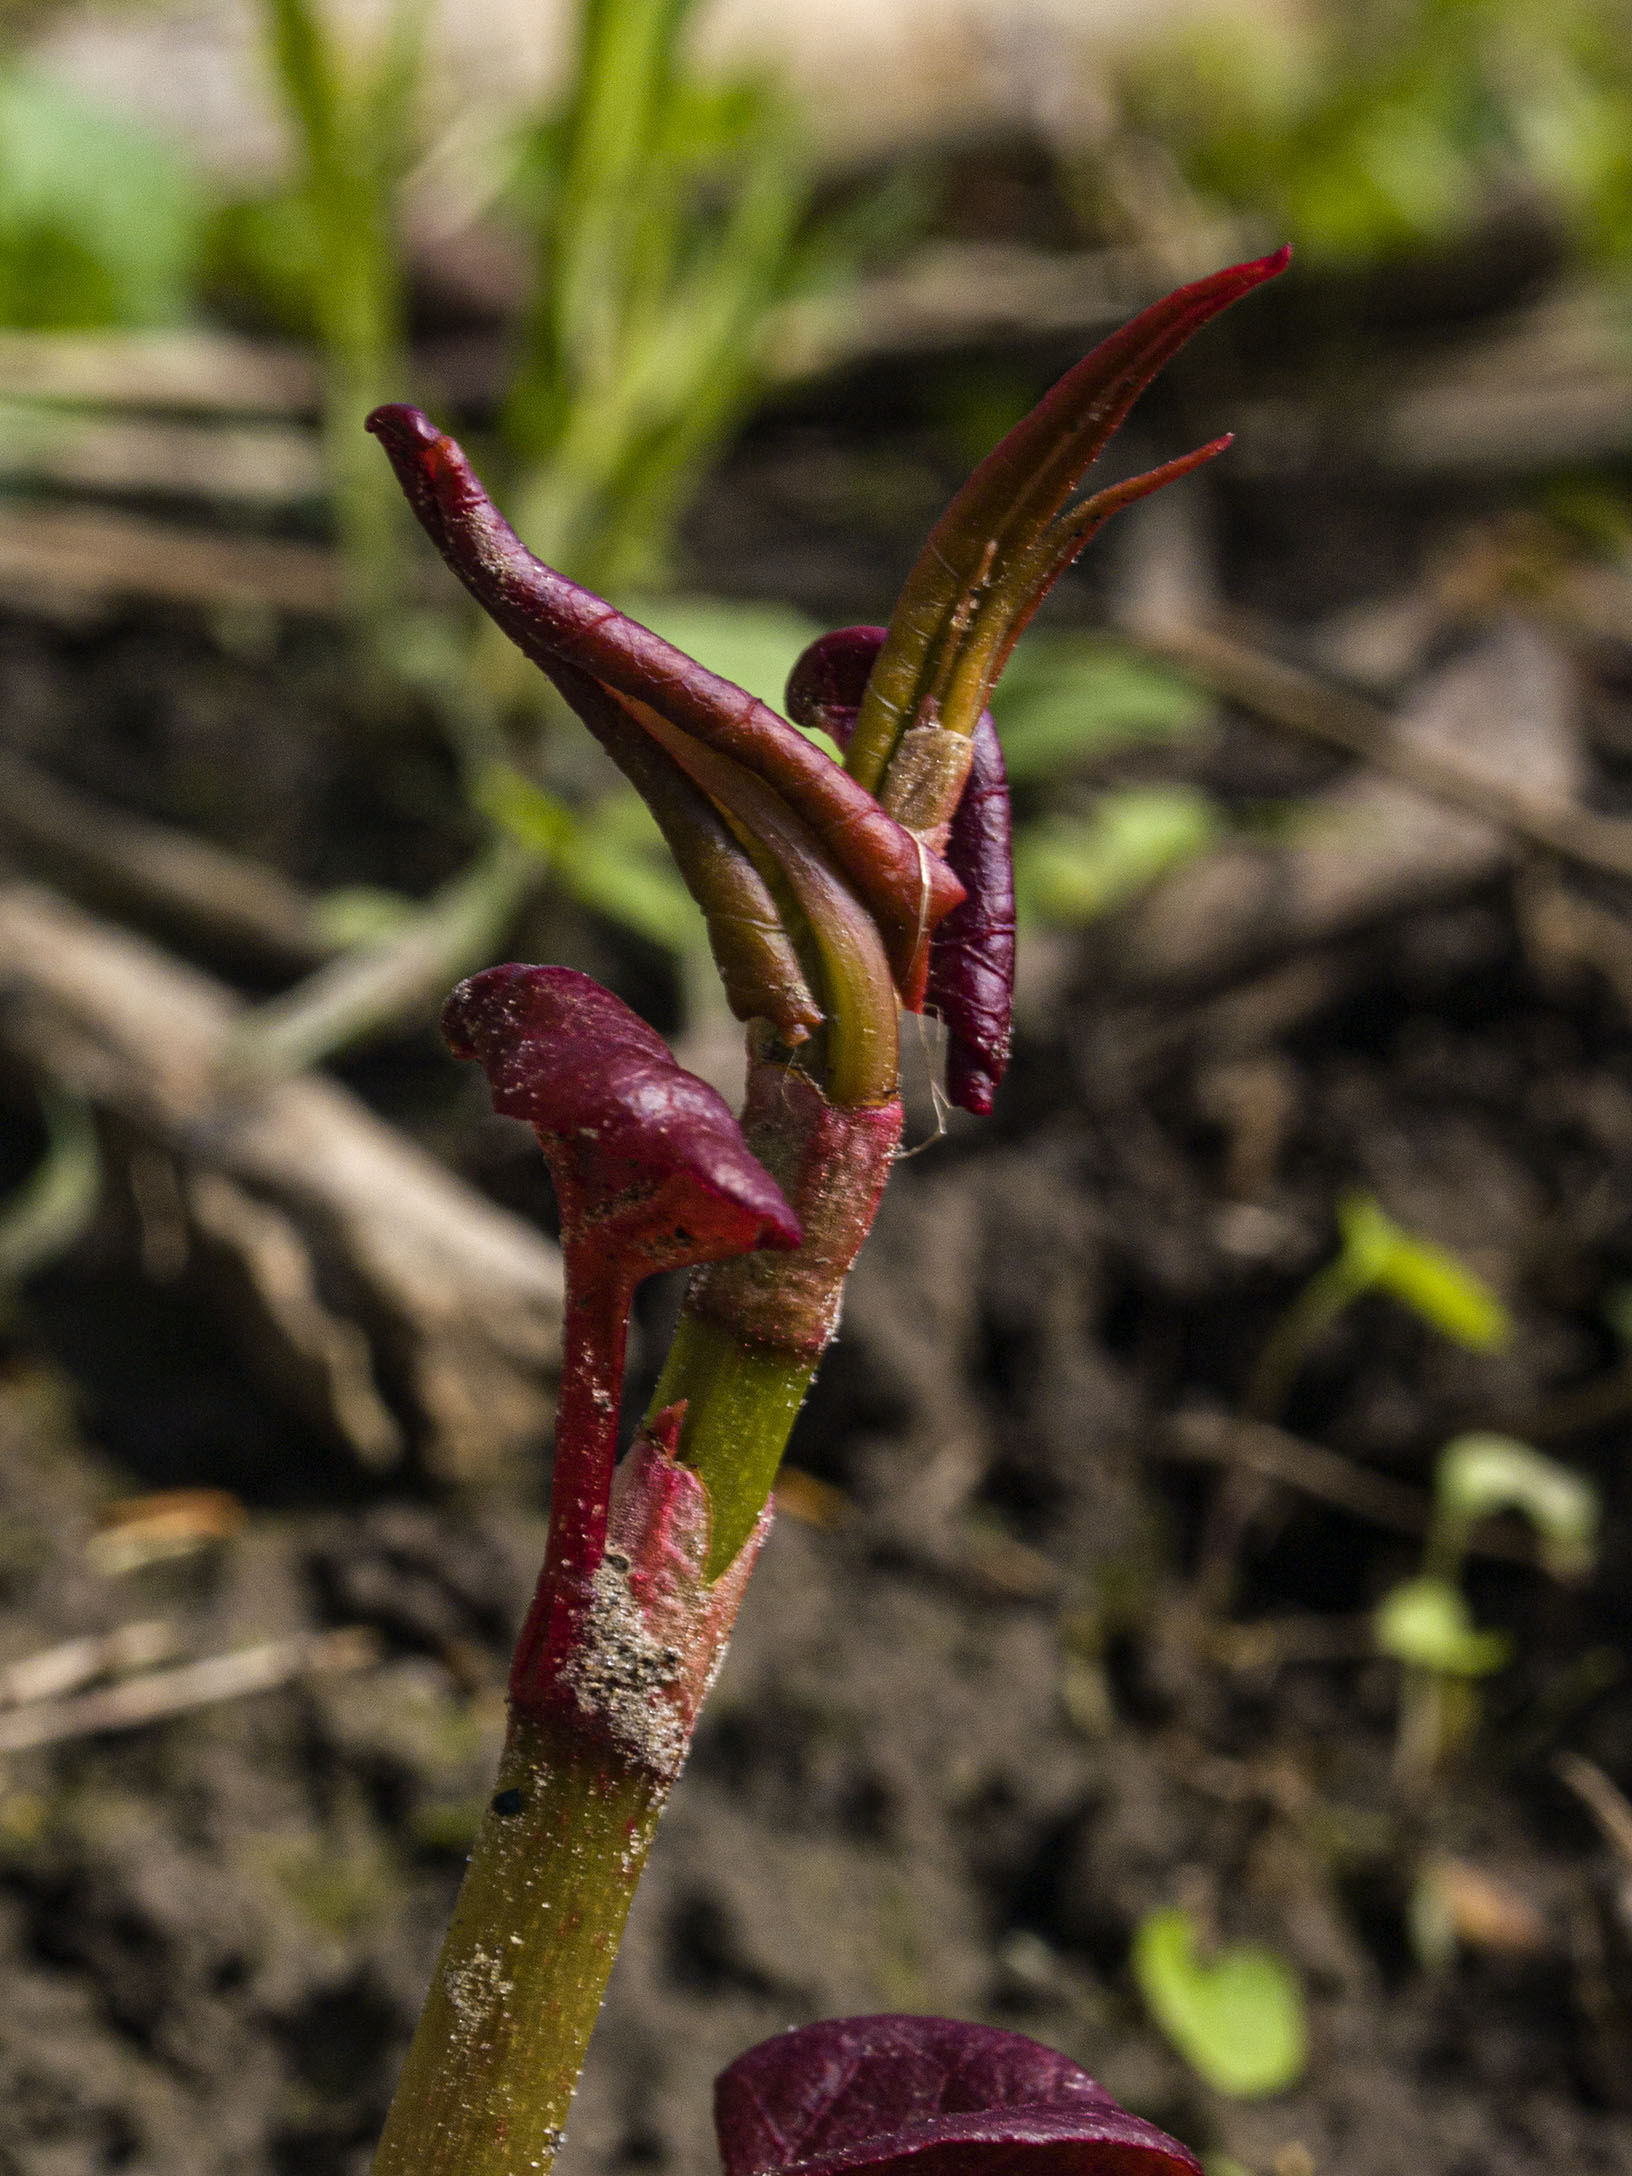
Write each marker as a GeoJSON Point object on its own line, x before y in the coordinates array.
{"type": "Point", "coordinates": [1485, 750]}
{"type": "Point", "coordinates": [1305, 704]}
{"type": "Point", "coordinates": [383, 1288]}
{"type": "Point", "coordinates": [1258, 1448]}
{"type": "Point", "coordinates": [132, 865]}
{"type": "Point", "coordinates": [163, 1693]}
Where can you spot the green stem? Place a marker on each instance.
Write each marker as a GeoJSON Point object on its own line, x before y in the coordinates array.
{"type": "Point", "coordinates": [754, 1328]}
{"type": "Point", "coordinates": [1284, 1351]}
{"type": "Point", "coordinates": [742, 1399]}
{"type": "Point", "coordinates": [518, 1985]}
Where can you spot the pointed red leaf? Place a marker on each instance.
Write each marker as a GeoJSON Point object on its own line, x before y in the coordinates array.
{"type": "Point", "coordinates": [1007, 505]}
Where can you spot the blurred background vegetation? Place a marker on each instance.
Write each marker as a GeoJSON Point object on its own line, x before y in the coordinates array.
{"type": "Point", "coordinates": [595, 267]}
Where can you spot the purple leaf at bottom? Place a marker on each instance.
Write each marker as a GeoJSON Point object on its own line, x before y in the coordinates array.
{"type": "Point", "coordinates": [926, 2096]}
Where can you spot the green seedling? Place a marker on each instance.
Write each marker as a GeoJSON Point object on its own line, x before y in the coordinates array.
{"type": "Point", "coordinates": [1236, 2017]}
{"type": "Point", "coordinates": [1377, 1255]}
{"type": "Point", "coordinates": [1481, 1476]}
{"type": "Point", "coordinates": [1426, 1624]}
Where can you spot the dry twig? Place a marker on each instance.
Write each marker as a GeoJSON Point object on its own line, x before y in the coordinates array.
{"type": "Point", "coordinates": [1502, 717]}
{"type": "Point", "coordinates": [1609, 1807]}
{"type": "Point", "coordinates": [1302, 702]}
{"type": "Point", "coordinates": [375, 1281]}
{"type": "Point", "coordinates": [49, 554]}
{"type": "Point", "coordinates": [55, 1672]}
{"type": "Point", "coordinates": [1256, 1447]}
{"type": "Point", "coordinates": [163, 1693]}
{"type": "Point", "coordinates": [131, 865]}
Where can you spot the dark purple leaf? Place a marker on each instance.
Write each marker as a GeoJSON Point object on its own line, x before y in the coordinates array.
{"type": "Point", "coordinates": [926, 2096]}
{"type": "Point", "coordinates": [829, 678]}
{"type": "Point", "coordinates": [971, 955]}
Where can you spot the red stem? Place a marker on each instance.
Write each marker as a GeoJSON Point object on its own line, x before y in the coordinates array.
{"type": "Point", "coordinates": [595, 1335]}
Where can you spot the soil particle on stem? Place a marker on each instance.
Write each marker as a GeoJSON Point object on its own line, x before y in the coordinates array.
{"type": "Point", "coordinates": [620, 1674]}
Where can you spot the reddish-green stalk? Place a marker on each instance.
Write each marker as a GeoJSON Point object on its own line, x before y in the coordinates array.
{"type": "Point", "coordinates": [621, 1641]}
{"type": "Point", "coordinates": [824, 918]}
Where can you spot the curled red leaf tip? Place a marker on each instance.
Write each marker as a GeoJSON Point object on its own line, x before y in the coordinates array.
{"type": "Point", "coordinates": [829, 678]}
{"type": "Point", "coordinates": [971, 954]}
{"type": "Point", "coordinates": [926, 2096]}
{"type": "Point", "coordinates": [619, 1120]}
{"type": "Point", "coordinates": [558, 623]}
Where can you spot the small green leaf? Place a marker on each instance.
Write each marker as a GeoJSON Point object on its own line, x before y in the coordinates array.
{"type": "Point", "coordinates": [617, 865]}
{"type": "Point", "coordinates": [1071, 869]}
{"type": "Point", "coordinates": [1429, 1280]}
{"type": "Point", "coordinates": [1427, 1624]}
{"type": "Point", "coordinates": [610, 857]}
{"type": "Point", "coordinates": [1237, 2019]}
{"type": "Point", "coordinates": [1482, 1475]}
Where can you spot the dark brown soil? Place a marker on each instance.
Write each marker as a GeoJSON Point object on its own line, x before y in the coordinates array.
{"type": "Point", "coordinates": [972, 1728]}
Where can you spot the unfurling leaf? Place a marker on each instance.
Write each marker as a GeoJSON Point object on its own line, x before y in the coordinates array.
{"type": "Point", "coordinates": [906, 888]}
{"type": "Point", "coordinates": [1008, 535]}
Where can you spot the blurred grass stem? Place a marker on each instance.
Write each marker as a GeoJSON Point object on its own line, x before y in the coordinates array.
{"type": "Point", "coordinates": [352, 116]}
